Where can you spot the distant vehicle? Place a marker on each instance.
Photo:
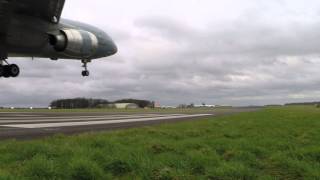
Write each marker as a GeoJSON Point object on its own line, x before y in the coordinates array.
{"type": "Point", "coordinates": [32, 28]}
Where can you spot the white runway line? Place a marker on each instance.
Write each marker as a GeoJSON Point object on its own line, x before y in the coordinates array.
{"type": "Point", "coordinates": [40, 117]}
{"type": "Point", "coordinates": [23, 115]}
{"type": "Point", "coordinates": [79, 118]}
{"type": "Point", "coordinates": [88, 123]}
{"type": "Point", "coordinates": [12, 112]}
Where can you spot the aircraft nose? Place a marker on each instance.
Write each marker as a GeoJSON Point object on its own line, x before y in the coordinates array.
{"type": "Point", "coordinates": [114, 48]}
{"type": "Point", "coordinates": [109, 46]}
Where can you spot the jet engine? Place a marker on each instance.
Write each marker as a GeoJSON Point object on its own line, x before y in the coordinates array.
{"type": "Point", "coordinates": [74, 43]}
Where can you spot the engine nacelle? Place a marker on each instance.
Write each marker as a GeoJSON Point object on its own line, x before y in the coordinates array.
{"type": "Point", "coordinates": [74, 43]}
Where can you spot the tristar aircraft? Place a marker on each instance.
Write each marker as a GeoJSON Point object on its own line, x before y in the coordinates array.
{"type": "Point", "coordinates": [32, 28]}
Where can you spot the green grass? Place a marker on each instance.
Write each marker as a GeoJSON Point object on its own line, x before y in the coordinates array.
{"type": "Point", "coordinates": [274, 143]}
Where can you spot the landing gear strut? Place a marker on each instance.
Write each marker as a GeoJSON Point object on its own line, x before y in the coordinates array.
{"type": "Point", "coordinates": [9, 70]}
{"type": "Point", "coordinates": [85, 73]}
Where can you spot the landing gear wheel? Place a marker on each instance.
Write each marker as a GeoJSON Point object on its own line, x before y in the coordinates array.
{"type": "Point", "coordinates": [6, 73]}
{"type": "Point", "coordinates": [1, 70]}
{"type": "Point", "coordinates": [9, 70]}
{"type": "Point", "coordinates": [85, 73]}
{"type": "Point", "coordinates": [14, 70]}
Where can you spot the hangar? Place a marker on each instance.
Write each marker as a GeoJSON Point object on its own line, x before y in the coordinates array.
{"type": "Point", "coordinates": [126, 106]}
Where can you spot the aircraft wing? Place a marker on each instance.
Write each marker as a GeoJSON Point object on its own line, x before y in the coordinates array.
{"type": "Point", "coordinates": [4, 16]}
{"type": "Point", "coordinates": [4, 20]}
{"type": "Point", "coordinates": [49, 10]}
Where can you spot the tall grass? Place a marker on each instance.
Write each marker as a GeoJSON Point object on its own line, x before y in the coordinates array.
{"type": "Point", "coordinates": [275, 143]}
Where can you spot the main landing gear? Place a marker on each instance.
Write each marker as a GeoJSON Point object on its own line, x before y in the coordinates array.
{"type": "Point", "coordinates": [9, 70]}
{"type": "Point", "coordinates": [85, 73]}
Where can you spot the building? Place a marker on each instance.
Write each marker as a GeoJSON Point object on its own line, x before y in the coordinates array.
{"type": "Point", "coordinates": [126, 106]}
{"type": "Point", "coordinates": [205, 106]}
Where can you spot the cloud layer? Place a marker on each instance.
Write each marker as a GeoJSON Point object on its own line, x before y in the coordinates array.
{"type": "Point", "coordinates": [246, 53]}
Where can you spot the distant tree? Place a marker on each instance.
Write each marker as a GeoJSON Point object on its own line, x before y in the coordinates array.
{"type": "Point", "coordinates": [95, 103]}
{"type": "Point", "coordinates": [302, 103]}
{"type": "Point", "coordinates": [78, 103]}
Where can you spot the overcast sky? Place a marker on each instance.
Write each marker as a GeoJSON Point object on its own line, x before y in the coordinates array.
{"type": "Point", "coordinates": [231, 52]}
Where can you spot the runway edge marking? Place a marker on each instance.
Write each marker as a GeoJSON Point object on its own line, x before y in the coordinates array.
{"type": "Point", "coordinates": [88, 123]}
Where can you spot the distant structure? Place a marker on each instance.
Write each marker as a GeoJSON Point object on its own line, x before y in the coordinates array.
{"type": "Point", "coordinates": [205, 106]}
{"type": "Point", "coordinates": [140, 103]}
{"type": "Point", "coordinates": [157, 105]}
{"type": "Point", "coordinates": [126, 106]}
{"type": "Point", "coordinates": [168, 107]}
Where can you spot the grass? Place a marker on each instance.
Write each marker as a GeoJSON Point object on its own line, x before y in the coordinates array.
{"type": "Point", "coordinates": [273, 143]}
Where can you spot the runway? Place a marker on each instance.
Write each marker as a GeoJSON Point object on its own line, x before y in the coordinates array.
{"type": "Point", "coordinates": [34, 125]}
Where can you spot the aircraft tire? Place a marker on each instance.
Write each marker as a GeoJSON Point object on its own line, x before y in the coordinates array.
{"type": "Point", "coordinates": [6, 71]}
{"type": "Point", "coordinates": [85, 73]}
{"type": "Point", "coordinates": [14, 70]}
{"type": "Point", "coordinates": [1, 71]}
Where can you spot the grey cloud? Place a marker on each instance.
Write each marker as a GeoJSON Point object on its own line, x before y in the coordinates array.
{"type": "Point", "coordinates": [252, 59]}
{"type": "Point", "coordinates": [243, 51]}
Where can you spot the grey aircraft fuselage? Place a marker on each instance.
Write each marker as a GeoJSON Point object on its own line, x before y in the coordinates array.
{"type": "Point", "coordinates": [33, 37]}
{"type": "Point", "coordinates": [34, 28]}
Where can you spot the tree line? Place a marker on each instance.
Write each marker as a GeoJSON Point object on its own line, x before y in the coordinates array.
{"type": "Point", "coordinates": [81, 103]}
{"type": "Point", "coordinates": [302, 103]}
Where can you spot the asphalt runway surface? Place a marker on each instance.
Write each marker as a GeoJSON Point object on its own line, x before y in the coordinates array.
{"type": "Point", "coordinates": [30, 125]}
{"type": "Point", "coordinates": [36, 125]}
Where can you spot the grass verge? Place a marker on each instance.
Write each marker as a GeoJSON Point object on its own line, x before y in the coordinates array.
{"type": "Point", "coordinates": [274, 143]}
